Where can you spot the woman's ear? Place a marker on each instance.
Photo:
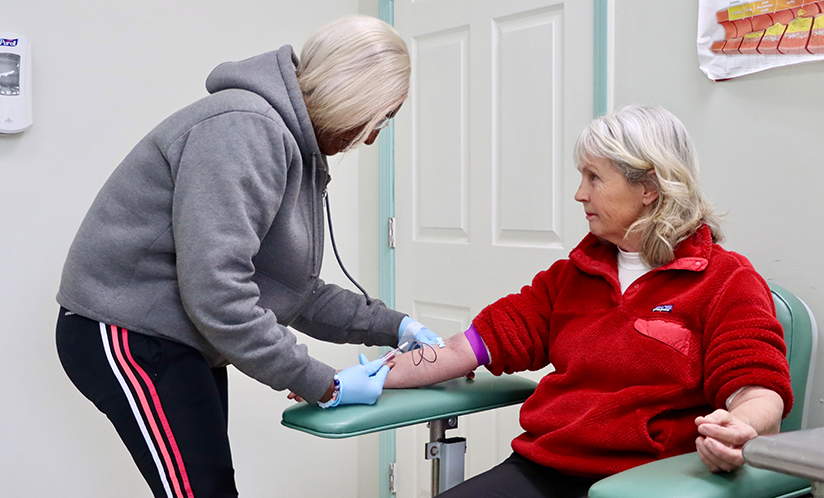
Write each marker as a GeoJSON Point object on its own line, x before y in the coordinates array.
{"type": "Point", "coordinates": [650, 188]}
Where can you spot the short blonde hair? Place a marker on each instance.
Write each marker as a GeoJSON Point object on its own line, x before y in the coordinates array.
{"type": "Point", "coordinates": [353, 72]}
{"type": "Point", "coordinates": [640, 139]}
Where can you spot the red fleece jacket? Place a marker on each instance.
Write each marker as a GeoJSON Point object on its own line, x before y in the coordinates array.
{"type": "Point", "coordinates": [633, 370]}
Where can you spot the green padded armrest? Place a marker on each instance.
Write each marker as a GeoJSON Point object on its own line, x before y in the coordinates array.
{"type": "Point", "coordinates": [686, 476]}
{"type": "Point", "coordinates": [401, 407]}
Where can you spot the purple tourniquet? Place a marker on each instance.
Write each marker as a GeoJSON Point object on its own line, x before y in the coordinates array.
{"type": "Point", "coordinates": [478, 346]}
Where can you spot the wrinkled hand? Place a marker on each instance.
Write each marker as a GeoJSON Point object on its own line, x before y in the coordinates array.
{"type": "Point", "coordinates": [722, 435]}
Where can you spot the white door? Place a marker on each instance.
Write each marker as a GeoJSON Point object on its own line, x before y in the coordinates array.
{"type": "Point", "coordinates": [484, 178]}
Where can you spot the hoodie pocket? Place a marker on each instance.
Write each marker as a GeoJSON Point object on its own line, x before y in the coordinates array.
{"type": "Point", "coordinates": [672, 334]}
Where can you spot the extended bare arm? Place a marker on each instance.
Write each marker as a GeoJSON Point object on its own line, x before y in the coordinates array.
{"type": "Point", "coordinates": [454, 360]}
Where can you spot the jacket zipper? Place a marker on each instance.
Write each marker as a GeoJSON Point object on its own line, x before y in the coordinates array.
{"type": "Point", "coordinates": [316, 250]}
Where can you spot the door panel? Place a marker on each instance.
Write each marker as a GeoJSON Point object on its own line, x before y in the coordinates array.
{"type": "Point", "coordinates": [484, 175]}
{"type": "Point", "coordinates": [527, 191]}
{"type": "Point", "coordinates": [442, 157]}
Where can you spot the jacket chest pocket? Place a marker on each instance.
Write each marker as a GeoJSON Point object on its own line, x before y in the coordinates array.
{"type": "Point", "coordinates": [672, 351]}
{"type": "Point", "coordinates": [672, 334]}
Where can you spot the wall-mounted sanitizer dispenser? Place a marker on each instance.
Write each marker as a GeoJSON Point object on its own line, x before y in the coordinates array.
{"type": "Point", "coordinates": [15, 83]}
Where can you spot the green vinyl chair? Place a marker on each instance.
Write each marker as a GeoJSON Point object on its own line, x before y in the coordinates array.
{"type": "Point", "coordinates": [683, 476]}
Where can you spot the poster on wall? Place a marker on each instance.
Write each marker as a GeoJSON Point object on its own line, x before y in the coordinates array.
{"type": "Point", "coordinates": [737, 38]}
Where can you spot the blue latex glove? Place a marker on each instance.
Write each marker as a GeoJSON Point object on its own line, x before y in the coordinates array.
{"type": "Point", "coordinates": [411, 329]}
{"type": "Point", "coordinates": [363, 383]}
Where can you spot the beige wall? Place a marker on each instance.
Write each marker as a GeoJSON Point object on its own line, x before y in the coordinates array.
{"type": "Point", "coordinates": [760, 139]}
{"type": "Point", "coordinates": [104, 74]}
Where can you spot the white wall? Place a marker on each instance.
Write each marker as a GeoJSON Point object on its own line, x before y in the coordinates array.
{"type": "Point", "coordinates": [760, 139]}
{"type": "Point", "coordinates": [104, 74]}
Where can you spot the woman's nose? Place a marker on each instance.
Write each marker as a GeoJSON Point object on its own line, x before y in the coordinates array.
{"type": "Point", "coordinates": [580, 195]}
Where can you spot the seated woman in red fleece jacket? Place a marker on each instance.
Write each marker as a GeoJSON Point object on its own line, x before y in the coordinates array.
{"type": "Point", "coordinates": [662, 341]}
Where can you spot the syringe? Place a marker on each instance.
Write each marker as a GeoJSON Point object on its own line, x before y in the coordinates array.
{"type": "Point", "coordinates": [390, 355]}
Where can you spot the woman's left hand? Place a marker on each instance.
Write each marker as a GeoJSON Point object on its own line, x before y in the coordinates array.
{"type": "Point", "coordinates": [722, 437]}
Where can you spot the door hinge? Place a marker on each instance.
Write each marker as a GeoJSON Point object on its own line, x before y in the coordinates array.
{"type": "Point", "coordinates": [391, 232]}
{"type": "Point", "coordinates": [392, 489]}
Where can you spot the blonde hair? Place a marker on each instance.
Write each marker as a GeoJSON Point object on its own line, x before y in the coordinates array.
{"type": "Point", "coordinates": [641, 139]}
{"type": "Point", "coordinates": [353, 72]}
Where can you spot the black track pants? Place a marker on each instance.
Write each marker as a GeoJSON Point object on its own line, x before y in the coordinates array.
{"type": "Point", "coordinates": [169, 408]}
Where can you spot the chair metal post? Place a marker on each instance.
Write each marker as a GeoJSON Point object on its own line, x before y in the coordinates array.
{"type": "Point", "coordinates": [447, 455]}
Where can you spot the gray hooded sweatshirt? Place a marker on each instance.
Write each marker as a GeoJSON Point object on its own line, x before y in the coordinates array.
{"type": "Point", "coordinates": [210, 233]}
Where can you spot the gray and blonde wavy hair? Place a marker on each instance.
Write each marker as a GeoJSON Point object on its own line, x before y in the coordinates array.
{"type": "Point", "coordinates": [640, 139]}
{"type": "Point", "coordinates": [353, 72]}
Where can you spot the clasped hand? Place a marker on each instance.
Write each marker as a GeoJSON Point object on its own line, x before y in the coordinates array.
{"type": "Point", "coordinates": [722, 435]}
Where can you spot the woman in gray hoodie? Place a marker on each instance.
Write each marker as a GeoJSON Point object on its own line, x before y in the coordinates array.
{"type": "Point", "coordinates": [206, 243]}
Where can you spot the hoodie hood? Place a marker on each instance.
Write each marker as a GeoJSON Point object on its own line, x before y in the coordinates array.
{"type": "Point", "coordinates": [272, 76]}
